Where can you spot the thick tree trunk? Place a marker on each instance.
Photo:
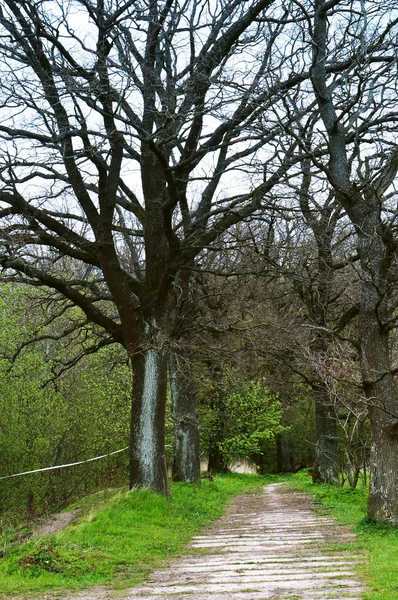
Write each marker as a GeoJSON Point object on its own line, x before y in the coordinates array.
{"type": "Point", "coordinates": [383, 491]}
{"type": "Point", "coordinates": [382, 395]}
{"type": "Point", "coordinates": [327, 442]}
{"type": "Point", "coordinates": [186, 461]}
{"type": "Point", "coordinates": [147, 452]}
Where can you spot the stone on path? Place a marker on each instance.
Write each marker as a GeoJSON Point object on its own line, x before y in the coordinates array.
{"type": "Point", "coordinates": [271, 545]}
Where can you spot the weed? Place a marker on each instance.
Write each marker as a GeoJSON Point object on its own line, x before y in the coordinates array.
{"type": "Point", "coordinates": [45, 557]}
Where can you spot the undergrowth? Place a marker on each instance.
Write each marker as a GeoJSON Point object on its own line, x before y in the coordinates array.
{"type": "Point", "coordinates": [120, 536]}
{"type": "Point", "coordinates": [377, 543]}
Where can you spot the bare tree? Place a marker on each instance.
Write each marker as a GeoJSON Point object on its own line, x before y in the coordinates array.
{"type": "Point", "coordinates": [124, 126]}
{"type": "Point", "coordinates": [327, 313]}
{"type": "Point", "coordinates": [356, 135]}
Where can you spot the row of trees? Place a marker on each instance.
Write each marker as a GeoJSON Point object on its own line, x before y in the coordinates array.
{"type": "Point", "coordinates": [138, 135]}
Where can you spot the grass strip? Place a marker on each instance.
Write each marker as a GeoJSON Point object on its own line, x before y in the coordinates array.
{"type": "Point", "coordinates": [378, 544]}
{"type": "Point", "coordinates": [120, 537]}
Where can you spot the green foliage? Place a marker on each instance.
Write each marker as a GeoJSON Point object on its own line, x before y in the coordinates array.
{"type": "Point", "coordinates": [120, 537]}
{"type": "Point", "coordinates": [83, 414]}
{"type": "Point", "coordinates": [253, 417]}
{"type": "Point", "coordinates": [239, 418]}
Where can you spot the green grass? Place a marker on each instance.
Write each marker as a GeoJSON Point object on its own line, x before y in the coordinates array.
{"type": "Point", "coordinates": [377, 543]}
{"type": "Point", "coordinates": [120, 537]}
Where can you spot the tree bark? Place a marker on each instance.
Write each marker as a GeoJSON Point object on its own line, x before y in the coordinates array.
{"type": "Point", "coordinates": [383, 490]}
{"type": "Point", "coordinates": [379, 383]}
{"type": "Point", "coordinates": [147, 451]}
{"type": "Point", "coordinates": [327, 442]}
{"type": "Point", "coordinates": [186, 460]}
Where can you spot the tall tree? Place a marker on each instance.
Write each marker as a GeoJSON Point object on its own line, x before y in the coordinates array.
{"type": "Point", "coordinates": [318, 298]}
{"type": "Point", "coordinates": [358, 121]}
{"type": "Point", "coordinates": [186, 455]}
{"type": "Point", "coordinates": [121, 122]}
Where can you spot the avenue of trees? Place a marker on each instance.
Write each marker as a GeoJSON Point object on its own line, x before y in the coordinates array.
{"type": "Point", "coordinates": [204, 195]}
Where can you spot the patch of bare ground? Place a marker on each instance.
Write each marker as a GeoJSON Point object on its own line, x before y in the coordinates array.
{"type": "Point", "coordinates": [268, 546]}
{"type": "Point", "coordinates": [55, 523]}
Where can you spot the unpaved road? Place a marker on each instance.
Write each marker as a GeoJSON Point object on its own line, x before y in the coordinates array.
{"type": "Point", "coordinates": [272, 545]}
{"type": "Point", "coordinates": [268, 546]}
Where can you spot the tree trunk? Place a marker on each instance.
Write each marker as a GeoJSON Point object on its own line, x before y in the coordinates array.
{"type": "Point", "coordinates": [147, 452]}
{"type": "Point", "coordinates": [217, 462]}
{"type": "Point", "coordinates": [382, 395]}
{"type": "Point", "coordinates": [327, 442]}
{"type": "Point", "coordinates": [284, 454]}
{"type": "Point", "coordinates": [186, 461]}
{"type": "Point", "coordinates": [383, 490]}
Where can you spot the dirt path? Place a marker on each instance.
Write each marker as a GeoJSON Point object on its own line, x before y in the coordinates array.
{"type": "Point", "coordinates": [56, 523]}
{"type": "Point", "coordinates": [271, 545]}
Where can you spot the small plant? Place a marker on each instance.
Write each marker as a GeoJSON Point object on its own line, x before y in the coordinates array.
{"type": "Point", "coordinates": [12, 535]}
{"type": "Point", "coordinates": [46, 557]}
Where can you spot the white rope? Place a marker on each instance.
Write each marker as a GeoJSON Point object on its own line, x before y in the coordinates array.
{"type": "Point", "coordinates": [63, 466]}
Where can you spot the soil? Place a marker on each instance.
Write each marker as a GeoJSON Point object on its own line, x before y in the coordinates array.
{"type": "Point", "coordinates": [55, 523]}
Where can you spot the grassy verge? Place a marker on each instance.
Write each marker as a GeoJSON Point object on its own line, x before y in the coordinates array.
{"type": "Point", "coordinates": [120, 537]}
{"type": "Point", "coordinates": [378, 543]}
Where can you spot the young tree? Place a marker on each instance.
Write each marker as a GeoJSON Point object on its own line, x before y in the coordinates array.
{"type": "Point", "coordinates": [120, 124]}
